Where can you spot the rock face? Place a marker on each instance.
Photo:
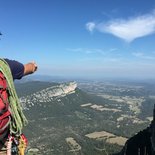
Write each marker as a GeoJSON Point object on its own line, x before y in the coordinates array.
{"type": "Point", "coordinates": [48, 94]}
{"type": "Point", "coordinates": [142, 143]}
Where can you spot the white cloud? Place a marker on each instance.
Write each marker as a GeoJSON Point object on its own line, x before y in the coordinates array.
{"type": "Point", "coordinates": [90, 26]}
{"type": "Point", "coordinates": [143, 56]}
{"type": "Point", "coordinates": [93, 51]}
{"type": "Point", "coordinates": [127, 29]}
{"type": "Point", "coordinates": [138, 54]}
{"type": "Point", "coordinates": [87, 50]}
{"type": "Point", "coordinates": [74, 49]}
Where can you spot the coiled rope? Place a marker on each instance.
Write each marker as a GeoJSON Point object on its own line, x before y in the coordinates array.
{"type": "Point", "coordinates": [18, 119]}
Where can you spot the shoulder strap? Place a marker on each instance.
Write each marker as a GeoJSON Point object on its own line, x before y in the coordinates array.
{"type": "Point", "coordinates": [18, 118]}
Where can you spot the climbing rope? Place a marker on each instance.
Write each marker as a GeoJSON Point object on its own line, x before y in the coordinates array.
{"type": "Point", "coordinates": [18, 120]}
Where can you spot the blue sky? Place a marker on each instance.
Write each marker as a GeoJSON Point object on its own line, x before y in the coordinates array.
{"type": "Point", "coordinates": [81, 38]}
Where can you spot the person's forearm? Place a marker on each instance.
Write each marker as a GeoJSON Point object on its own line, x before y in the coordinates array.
{"type": "Point", "coordinates": [30, 68]}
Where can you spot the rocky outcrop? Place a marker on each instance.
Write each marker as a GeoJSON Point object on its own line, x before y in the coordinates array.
{"type": "Point", "coordinates": [143, 143]}
{"type": "Point", "coordinates": [48, 94]}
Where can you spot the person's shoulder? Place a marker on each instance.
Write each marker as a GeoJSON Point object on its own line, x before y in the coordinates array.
{"type": "Point", "coordinates": [17, 68]}
{"type": "Point", "coordinates": [12, 61]}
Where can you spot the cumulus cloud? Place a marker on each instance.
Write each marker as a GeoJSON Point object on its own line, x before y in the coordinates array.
{"type": "Point", "coordinates": [127, 29]}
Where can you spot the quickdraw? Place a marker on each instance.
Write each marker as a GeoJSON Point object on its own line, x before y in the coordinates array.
{"type": "Point", "coordinates": [17, 145]}
{"type": "Point", "coordinates": [22, 144]}
{"type": "Point", "coordinates": [9, 146]}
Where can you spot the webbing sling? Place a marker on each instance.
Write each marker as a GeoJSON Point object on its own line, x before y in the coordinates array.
{"type": "Point", "coordinates": [18, 120]}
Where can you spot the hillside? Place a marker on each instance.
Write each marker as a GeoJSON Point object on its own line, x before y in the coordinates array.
{"type": "Point", "coordinates": [64, 119]}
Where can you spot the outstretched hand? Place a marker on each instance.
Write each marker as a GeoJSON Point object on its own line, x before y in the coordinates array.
{"type": "Point", "coordinates": [34, 66]}
{"type": "Point", "coordinates": [30, 68]}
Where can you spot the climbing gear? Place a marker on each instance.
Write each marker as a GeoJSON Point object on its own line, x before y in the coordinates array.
{"type": "Point", "coordinates": [18, 120]}
{"type": "Point", "coordinates": [9, 146]}
{"type": "Point", "coordinates": [22, 144]}
{"type": "Point", "coordinates": [16, 145]}
{"type": "Point", "coordinates": [12, 119]}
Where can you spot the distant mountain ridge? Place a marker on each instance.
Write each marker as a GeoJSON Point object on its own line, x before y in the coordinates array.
{"type": "Point", "coordinates": [44, 78]}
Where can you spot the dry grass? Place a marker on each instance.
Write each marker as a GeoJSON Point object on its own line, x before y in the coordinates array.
{"type": "Point", "coordinates": [108, 137]}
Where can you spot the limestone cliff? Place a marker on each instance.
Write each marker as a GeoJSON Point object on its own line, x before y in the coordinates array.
{"type": "Point", "coordinates": [48, 94]}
